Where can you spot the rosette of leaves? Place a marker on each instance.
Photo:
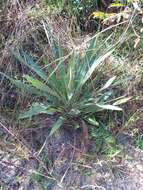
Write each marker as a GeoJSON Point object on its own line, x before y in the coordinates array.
{"type": "Point", "coordinates": [73, 90]}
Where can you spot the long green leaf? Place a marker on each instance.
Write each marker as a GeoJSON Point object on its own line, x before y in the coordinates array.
{"type": "Point", "coordinates": [57, 125]}
{"type": "Point", "coordinates": [28, 61]}
{"type": "Point", "coordinates": [35, 109]}
{"type": "Point", "coordinates": [94, 65]}
{"type": "Point", "coordinates": [88, 59]}
{"type": "Point", "coordinates": [41, 86]}
{"type": "Point", "coordinates": [54, 83]}
{"type": "Point", "coordinates": [71, 80]}
{"type": "Point", "coordinates": [58, 55]}
{"type": "Point", "coordinates": [25, 88]}
{"type": "Point", "coordinates": [109, 107]}
{"type": "Point", "coordinates": [33, 65]}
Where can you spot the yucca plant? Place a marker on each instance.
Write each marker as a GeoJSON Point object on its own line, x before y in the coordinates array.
{"type": "Point", "coordinates": [72, 90]}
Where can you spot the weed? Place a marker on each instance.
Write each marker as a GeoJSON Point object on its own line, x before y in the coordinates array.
{"type": "Point", "coordinates": [73, 91]}
{"type": "Point", "coordinates": [139, 141]}
{"type": "Point", "coordinates": [75, 88]}
{"type": "Point", "coordinates": [1, 187]}
{"type": "Point", "coordinates": [103, 142]}
{"type": "Point", "coordinates": [45, 184]}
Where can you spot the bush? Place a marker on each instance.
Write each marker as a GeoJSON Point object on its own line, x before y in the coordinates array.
{"type": "Point", "coordinates": [72, 90]}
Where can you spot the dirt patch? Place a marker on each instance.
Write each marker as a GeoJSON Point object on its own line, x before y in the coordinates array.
{"type": "Point", "coordinates": [69, 166]}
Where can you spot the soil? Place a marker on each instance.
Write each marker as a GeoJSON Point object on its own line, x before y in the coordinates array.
{"type": "Point", "coordinates": [67, 161]}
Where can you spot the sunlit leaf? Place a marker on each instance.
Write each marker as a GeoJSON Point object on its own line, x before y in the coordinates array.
{"type": "Point", "coordinates": [110, 139]}
{"type": "Point", "coordinates": [99, 15]}
{"type": "Point", "coordinates": [112, 152]}
{"type": "Point", "coordinates": [102, 15]}
{"type": "Point", "coordinates": [92, 121]}
{"type": "Point", "coordinates": [108, 83]}
{"type": "Point", "coordinates": [110, 107]}
{"type": "Point", "coordinates": [117, 5]}
{"type": "Point", "coordinates": [122, 101]}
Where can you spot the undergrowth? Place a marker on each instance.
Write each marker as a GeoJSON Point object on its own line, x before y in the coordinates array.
{"type": "Point", "coordinates": [73, 90]}
{"type": "Point", "coordinates": [90, 84]}
{"type": "Point", "coordinates": [62, 71]}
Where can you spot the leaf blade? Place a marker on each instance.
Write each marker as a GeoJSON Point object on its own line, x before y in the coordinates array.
{"type": "Point", "coordinates": [108, 83]}
{"type": "Point", "coordinates": [35, 109]}
{"type": "Point", "coordinates": [109, 107]}
{"type": "Point", "coordinates": [94, 65]}
{"type": "Point", "coordinates": [57, 125]}
{"type": "Point", "coordinates": [41, 86]}
{"type": "Point", "coordinates": [122, 101]}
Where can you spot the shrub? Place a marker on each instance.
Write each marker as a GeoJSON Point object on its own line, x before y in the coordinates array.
{"type": "Point", "coordinates": [72, 90]}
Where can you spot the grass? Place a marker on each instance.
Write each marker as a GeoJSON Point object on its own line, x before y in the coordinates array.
{"type": "Point", "coordinates": [77, 81]}
{"type": "Point", "coordinates": [123, 73]}
{"type": "Point", "coordinates": [139, 142]}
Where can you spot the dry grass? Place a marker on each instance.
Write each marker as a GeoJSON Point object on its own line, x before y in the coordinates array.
{"type": "Point", "coordinates": [23, 27]}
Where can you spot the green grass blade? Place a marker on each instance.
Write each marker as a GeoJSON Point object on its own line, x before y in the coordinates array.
{"type": "Point", "coordinates": [52, 81]}
{"type": "Point", "coordinates": [33, 65]}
